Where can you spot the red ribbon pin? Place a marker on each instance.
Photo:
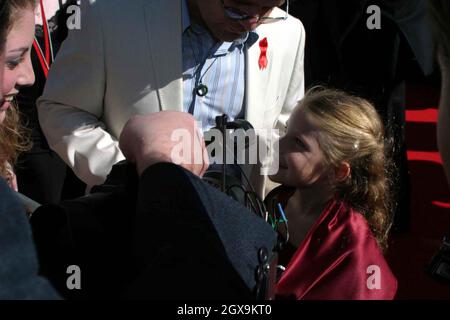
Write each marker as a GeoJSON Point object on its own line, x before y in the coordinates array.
{"type": "Point", "coordinates": [263, 45]}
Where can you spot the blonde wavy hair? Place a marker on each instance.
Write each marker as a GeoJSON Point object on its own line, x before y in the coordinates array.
{"type": "Point", "coordinates": [352, 132]}
{"type": "Point", "coordinates": [14, 139]}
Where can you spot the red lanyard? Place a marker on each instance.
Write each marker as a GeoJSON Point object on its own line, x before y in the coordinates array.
{"type": "Point", "coordinates": [44, 58]}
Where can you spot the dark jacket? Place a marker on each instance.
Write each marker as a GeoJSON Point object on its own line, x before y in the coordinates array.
{"type": "Point", "coordinates": [18, 260]}
{"type": "Point", "coordinates": [342, 52]}
{"type": "Point", "coordinates": [166, 235]}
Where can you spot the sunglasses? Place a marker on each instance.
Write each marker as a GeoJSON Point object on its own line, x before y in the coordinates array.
{"type": "Point", "coordinates": [232, 13]}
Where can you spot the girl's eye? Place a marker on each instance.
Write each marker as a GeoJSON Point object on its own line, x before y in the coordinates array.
{"type": "Point", "coordinates": [12, 64]}
{"type": "Point", "coordinates": [300, 143]}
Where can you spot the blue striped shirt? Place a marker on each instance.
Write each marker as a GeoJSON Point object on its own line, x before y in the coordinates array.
{"type": "Point", "coordinates": [218, 65]}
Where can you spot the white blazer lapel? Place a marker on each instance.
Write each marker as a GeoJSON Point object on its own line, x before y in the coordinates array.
{"type": "Point", "coordinates": [256, 81]}
{"type": "Point", "coordinates": [164, 28]}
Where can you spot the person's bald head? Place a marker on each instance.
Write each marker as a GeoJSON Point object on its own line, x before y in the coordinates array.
{"type": "Point", "coordinates": [166, 136]}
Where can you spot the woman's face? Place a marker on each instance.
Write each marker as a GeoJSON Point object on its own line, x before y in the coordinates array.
{"type": "Point", "coordinates": [301, 162]}
{"type": "Point", "coordinates": [18, 70]}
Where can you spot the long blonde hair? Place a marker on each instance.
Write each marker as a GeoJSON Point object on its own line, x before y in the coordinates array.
{"type": "Point", "coordinates": [352, 132]}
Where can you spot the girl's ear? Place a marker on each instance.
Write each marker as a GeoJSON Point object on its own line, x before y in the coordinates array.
{"type": "Point", "coordinates": [342, 172]}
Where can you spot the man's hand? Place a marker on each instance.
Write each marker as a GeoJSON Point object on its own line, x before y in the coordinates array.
{"type": "Point", "coordinates": [166, 136]}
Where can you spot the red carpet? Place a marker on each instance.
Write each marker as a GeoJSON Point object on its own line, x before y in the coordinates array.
{"type": "Point", "coordinates": [409, 253]}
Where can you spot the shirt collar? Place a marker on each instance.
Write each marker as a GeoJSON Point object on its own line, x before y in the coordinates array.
{"type": "Point", "coordinates": [229, 46]}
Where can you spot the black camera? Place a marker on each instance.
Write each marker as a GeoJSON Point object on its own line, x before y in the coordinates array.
{"type": "Point", "coordinates": [230, 178]}
{"type": "Point", "coordinates": [439, 267]}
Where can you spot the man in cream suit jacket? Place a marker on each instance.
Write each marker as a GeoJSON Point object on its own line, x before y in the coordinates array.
{"type": "Point", "coordinates": [127, 59]}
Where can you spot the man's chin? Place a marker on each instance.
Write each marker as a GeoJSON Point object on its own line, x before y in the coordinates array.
{"type": "Point", "coordinates": [229, 37]}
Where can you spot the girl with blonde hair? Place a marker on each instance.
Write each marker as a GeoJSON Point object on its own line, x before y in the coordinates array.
{"type": "Point", "coordinates": [334, 200]}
